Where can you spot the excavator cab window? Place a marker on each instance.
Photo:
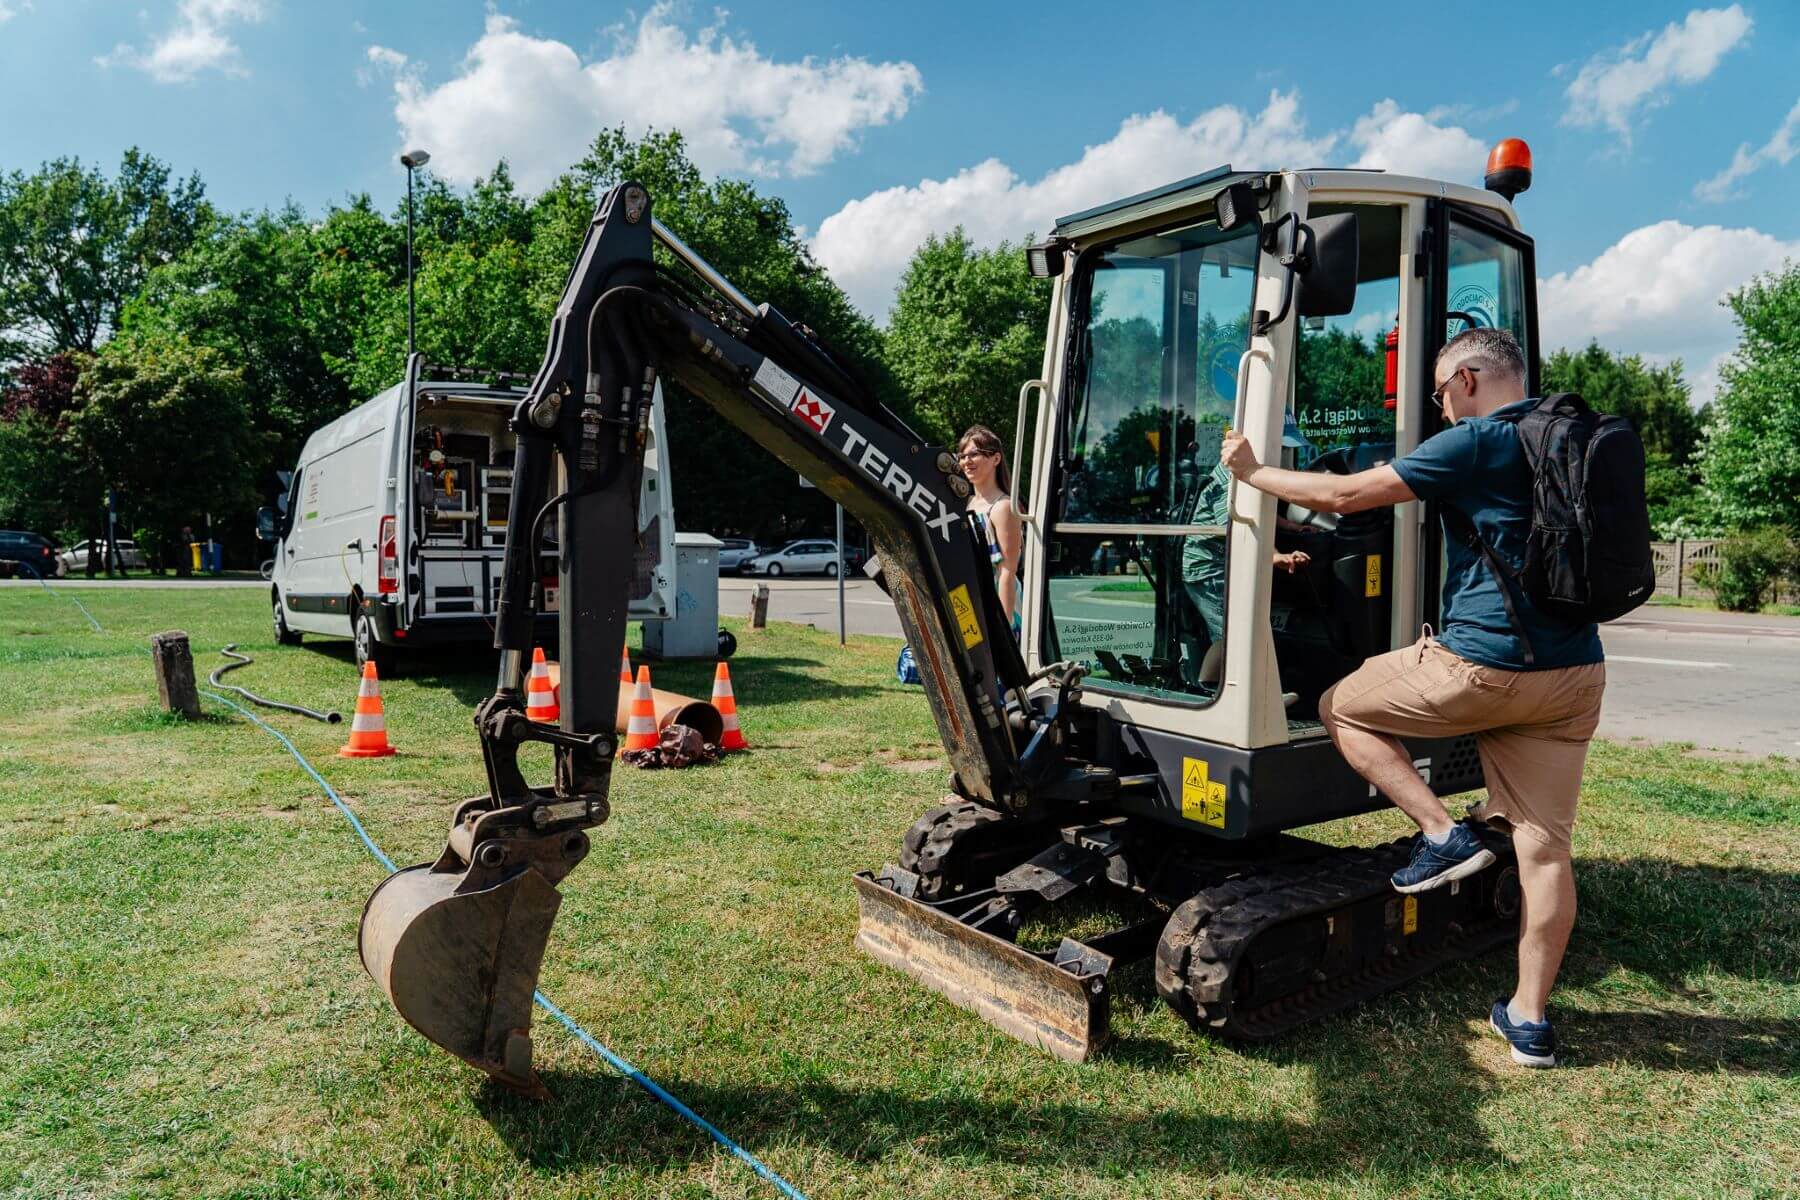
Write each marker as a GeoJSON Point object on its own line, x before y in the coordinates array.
{"type": "Point", "coordinates": [1335, 609]}
{"type": "Point", "coordinates": [1137, 547]}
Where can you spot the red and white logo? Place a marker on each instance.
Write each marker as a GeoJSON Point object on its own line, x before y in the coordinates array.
{"type": "Point", "coordinates": [813, 411]}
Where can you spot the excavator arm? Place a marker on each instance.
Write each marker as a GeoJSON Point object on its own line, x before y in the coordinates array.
{"type": "Point", "coordinates": [457, 944]}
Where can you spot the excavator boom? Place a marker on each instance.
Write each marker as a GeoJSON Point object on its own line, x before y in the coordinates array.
{"type": "Point", "coordinates": [457, 944]}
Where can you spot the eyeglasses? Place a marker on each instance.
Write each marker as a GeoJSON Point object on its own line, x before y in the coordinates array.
{"type": "Point", "coordinates": [1437, 396]}
{"type": "Point", "coordinates": [966, 455]}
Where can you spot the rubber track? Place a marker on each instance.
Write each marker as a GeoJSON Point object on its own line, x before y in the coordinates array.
{"type": "Point", "coordinates": [932, 844]}
{"type": "Point", "coordinates": [1207, 936]}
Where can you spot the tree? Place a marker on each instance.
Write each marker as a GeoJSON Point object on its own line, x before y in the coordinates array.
{"type": "Point", "coordinates": [145, 405]}
{"type": "Point", "coordinates": [966, 332]}
{"type": "Point", "coordinates": [47, 482]}
{"type": "Point", "coordinates": [247, 289]}
{"type": "Point", "coordinates": [1750, 458]}
{"type": "Point", "coordinates": [75, 246]}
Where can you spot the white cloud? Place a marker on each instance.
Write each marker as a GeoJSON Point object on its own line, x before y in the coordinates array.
{"type": "Point", "coordinates": [1656, 292]}
{"type": "Point", "coordinates": [866, 244]}
{"type": "Point", "coordinates": [381, 60]}
{"type": "Point", "coordinates": [1612, 86]}
{"type": "Point", "coordinates": [381, 56]}
{"type": "Point", "coordinates": [1779, 149]}
{"type": "Point", "coordinates": [1410, 143]}
{"type": "Point", "coordinates": [534, 102]}
{"type": "Point", "coordinates": [198, 42]}
{"type": "Point", "coordinates": [8, 12]}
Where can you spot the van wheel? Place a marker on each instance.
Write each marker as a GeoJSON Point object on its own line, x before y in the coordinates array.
{"type": "Point", "coordinates": [831, 569]}
{"type": "Point", "coordinates": [369, 648]}
{"type": "Point", "coordinates": [283, 635]}
{"type": "Point", "coordinates": [774, 569]}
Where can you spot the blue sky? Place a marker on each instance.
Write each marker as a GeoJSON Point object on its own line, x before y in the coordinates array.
{"type": "Point", "coordinates": [1664, 135]}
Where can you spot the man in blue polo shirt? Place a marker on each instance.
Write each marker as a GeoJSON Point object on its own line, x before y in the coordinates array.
{"type": "Point", "coordinates": [1530, 692]}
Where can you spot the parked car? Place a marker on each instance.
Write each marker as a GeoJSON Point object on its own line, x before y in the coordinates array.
{"type": "Point", "coordinates": [796, 558]}
{"type": "Point", "coordinates": [734, 553]}
{"type": "Point", "coordinates": [33, 552]}
{"type": "Point", "coordinates": [75, 558]}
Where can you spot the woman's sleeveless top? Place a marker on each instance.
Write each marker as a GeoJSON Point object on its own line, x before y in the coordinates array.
{"type": "Point", "coordinates": [986, 528]}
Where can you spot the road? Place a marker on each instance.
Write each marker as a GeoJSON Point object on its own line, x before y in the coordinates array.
{"type": "Point", "coordinates": [1722, 681]}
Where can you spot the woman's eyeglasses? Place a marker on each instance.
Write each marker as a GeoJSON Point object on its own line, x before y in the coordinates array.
{"type": "Point", "coordinates": [966, 455]}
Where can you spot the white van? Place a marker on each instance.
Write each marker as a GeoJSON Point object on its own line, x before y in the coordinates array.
{"type": "Point", "coordinates": [394, 525]}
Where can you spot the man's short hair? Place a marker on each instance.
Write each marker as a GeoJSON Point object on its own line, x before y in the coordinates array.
{"type": "Point", "coordinates": [1493, 350]}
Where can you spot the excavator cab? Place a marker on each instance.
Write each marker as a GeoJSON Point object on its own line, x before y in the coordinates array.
{"type": "Point", "coordinates": [1153, 734]}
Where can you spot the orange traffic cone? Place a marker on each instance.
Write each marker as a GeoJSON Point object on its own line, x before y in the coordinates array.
{"type": "Point", "coordinates": [625, 664]}
{"type": "Point", "coordinates": [368, 728]}
{"type": "Point", "coordinates": [640, 730]}
{"type": "Point", "coordinates": [540, 697]}
{"type": "Point", "coordinates": [726, 703]}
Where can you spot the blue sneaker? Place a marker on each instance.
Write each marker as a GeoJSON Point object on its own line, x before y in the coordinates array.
{"type": "Point", "coordinates": [1533, 1042]}
{"type": "Point", "coordinates": [1434, 866]}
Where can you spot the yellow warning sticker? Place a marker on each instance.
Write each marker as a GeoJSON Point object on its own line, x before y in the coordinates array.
{"type": "Point", "coordinates": [1372, 576]}
{"type": "Point", "coordinates": [1202, 798]}
{"type": "Point", "coordinates": [964, 608]}
{"type": "Point", "coordinates": [1409, 918]}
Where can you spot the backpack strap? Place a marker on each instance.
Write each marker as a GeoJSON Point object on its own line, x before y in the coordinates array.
{"type": "Point", "coordinates": [1464, 527]}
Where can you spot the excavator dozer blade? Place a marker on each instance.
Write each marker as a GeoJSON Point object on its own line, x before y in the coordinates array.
{"type": "Point", "coordinates": [461, 962]}
{"type": "Point", "coordinates": [1059, 1004]}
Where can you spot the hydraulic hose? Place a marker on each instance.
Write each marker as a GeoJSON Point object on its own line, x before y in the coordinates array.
{"type": "Point", "coordinates": [243, 660]}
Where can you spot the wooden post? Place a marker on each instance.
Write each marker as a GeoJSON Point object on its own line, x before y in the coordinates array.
{"type": "Point", "coordinates": [175, 673]}
{"type": "Point", "coordinates": [759, 606]}
{"type": "Point", "coordinates": [1680, 564]}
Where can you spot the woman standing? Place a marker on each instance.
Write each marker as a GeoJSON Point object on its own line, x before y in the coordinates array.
{"type": "Point", "coordinates": [983, 460]}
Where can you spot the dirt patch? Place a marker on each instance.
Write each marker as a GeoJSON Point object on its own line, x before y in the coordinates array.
{"type": "Point", "coordinates": [916, 766]}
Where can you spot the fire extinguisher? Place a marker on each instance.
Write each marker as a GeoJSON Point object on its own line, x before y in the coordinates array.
{"type": "Point", "coordinates": [1390, 392]}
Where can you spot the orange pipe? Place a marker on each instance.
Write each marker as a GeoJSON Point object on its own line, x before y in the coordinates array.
{"type": "Point", "coordinates": [672, 708]}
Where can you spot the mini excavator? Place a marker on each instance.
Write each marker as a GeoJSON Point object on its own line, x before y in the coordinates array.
{"type": "Point", "coordinates": [1154, 732]}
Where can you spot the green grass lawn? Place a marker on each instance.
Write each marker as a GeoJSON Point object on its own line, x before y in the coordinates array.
{"type": "Point", "coordinates": [183, 1012]}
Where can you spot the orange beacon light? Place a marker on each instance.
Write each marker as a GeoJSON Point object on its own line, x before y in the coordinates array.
{"type": "Point", "coordinates": [1509, 168]}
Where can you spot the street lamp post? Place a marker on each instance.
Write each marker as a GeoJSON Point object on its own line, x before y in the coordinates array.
{"type": "Point", "coordinates": [411, 160]}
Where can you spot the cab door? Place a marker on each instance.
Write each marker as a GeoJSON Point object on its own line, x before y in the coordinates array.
{"type": "Point", "coordinates": [1482, 274]}
{"type": "Point", "coordinates": [1128, 559]}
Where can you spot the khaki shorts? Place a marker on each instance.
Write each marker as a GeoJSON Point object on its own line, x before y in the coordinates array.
{"type": "Point", "coordinates": [1532, 727]}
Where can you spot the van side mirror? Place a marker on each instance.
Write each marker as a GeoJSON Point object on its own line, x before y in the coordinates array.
{"type": "Point", "coordinates": [265, 524]}
{"type": "Point", "coordinates": [1328, 276]}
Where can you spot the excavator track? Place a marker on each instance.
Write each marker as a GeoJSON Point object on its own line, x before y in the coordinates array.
{"type": "Point", "coordinates": [961, 846]}
{"type": "Point", "coordinates": [1258, 955]}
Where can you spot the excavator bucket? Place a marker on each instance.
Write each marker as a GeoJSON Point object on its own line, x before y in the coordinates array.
{"type": "Point", "coordinates": [458, 955]}
{"type": "Point", "coordinates": [1058, 1001]}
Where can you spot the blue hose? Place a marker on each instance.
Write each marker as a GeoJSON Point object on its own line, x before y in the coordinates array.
{"type": "Point", "coordinates": [39, 576]}
{"type": "Point", "coordinates": [587, 1039]}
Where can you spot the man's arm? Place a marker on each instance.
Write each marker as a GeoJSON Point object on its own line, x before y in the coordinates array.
{"type": "Point", "coordinates": [1319, 491]}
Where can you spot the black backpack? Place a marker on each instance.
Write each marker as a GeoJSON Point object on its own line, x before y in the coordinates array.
{"type": "Point", "coordinates": [1588, 555]}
